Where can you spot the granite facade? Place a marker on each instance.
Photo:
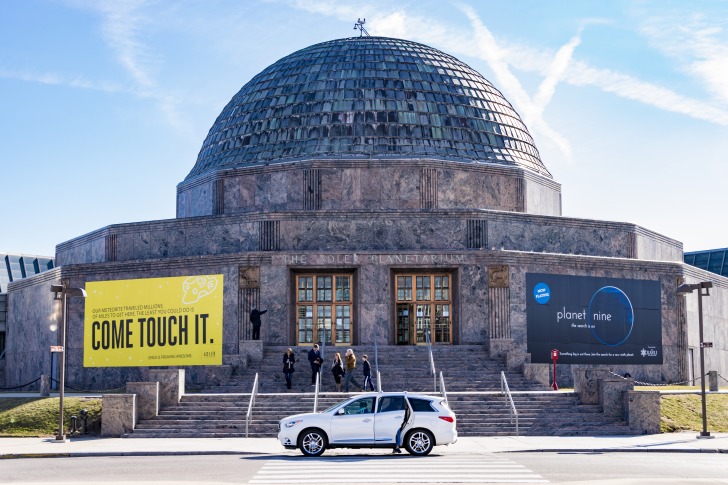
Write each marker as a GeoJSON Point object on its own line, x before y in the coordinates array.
{"type": "Point", "coordinates": [373, 310]}
{"type": "Point", "coordinates": [370, 185]}
{"type": "Point", "coordinates": [366, 220]}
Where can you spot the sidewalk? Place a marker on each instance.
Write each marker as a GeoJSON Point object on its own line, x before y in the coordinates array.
{"type": "Point", "coordinates": [80, 447]}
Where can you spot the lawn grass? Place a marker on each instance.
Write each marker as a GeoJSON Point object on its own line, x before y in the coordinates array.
{"type": "Point", "coordinates": [683, 412]}
{"type": "Point", "coordinates": [37, 417]}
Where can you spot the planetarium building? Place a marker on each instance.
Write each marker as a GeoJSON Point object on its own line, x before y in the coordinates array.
{"type": "Point", "coordinates": [369, 190]}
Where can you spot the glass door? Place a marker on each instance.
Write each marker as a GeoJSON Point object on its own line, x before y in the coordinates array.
{"type": "Point", "coordinates": [404, 312]}
{"type": "Point", "coordinates": [424, 305]}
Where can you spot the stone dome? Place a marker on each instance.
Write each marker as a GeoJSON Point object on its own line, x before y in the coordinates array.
{"type": "Point", "coordinates": [367, 98]}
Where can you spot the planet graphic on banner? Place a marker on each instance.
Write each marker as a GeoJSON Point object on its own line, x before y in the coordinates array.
{"type": "Point", "coordinates": [611, 316]}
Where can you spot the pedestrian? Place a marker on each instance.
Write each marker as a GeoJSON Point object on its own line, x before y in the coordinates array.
{"type": "Point", "coordinates": [255, 320]}
{"type": "Point", "coordinates": [314, 358]}
{"type": "Point", "coordinates": [288, 361]}
{"type": "Point", "coordinates": [337, 368]}
{"type": "Point", "coordinates": [367, 369]}
{"type": "Point", "coordinates": [350, 366]}
{"type": "Point", "coordinates": [400, 431]}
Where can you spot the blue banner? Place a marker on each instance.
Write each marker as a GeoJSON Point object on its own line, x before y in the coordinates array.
{"type": "Point", "coordinates": [593, 320]}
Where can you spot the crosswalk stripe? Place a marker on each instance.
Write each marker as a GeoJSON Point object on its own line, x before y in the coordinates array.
{"type": "Point", "coordinates": [385, 469]}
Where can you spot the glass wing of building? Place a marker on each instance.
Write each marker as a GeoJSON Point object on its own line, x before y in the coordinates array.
{"type": "Point", "coordinates": [714, 260]}
{"type": "Point", "coordinates": [14, 267]}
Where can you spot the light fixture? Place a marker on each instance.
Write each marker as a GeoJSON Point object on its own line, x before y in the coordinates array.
{"type": "Point", "coordinates": [63, 292]}
{"type": "Point", "coordinates": [684, 289]}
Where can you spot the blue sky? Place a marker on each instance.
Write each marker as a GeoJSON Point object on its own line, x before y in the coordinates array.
{"type": "Point", "coordinates": [104, 105]}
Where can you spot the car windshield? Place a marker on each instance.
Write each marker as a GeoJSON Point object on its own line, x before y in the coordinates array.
{"type": "Point", "coordinates": [337, 405]}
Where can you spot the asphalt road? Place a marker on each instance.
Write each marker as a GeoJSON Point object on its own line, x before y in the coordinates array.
{"type": "Point", "coordinates": [352, 467]}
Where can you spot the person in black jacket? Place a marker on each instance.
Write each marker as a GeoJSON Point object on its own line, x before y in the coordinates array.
{"type": "Point", "coordinates": [314, 358]}
{"type": "Point", "coordinates": [405, 421]}
{"type": "Point", "coordinates": [367, 373]}
{"type": "Point", "coordinates": [255, 320]}
{"type": "Point", "coordinates": [288, 361]}
{"type": "Point", "coordinates": [338, 370]}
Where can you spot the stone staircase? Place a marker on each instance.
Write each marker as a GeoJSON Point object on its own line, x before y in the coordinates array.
{"type": "Point", "coordinates": [465, 368]}
{"type": "Point", "coordinates": [472, 382]}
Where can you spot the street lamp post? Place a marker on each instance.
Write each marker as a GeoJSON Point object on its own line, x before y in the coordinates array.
{"type": "Point", "coordinates": [684, 289]}
{"type": "Point", "coordinates": [63, 292]}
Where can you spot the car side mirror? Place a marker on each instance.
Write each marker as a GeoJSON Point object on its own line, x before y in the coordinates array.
{"type": "Point", "coordinates": [340, 412]}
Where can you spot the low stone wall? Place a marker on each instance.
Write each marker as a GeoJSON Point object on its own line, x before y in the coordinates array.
{"type": "Point", "coordinates": [586, 383]}
{"type": "Point", "coordinates": [612, 396]}
{"type": "Point", "coordinates": [147, 400]}
{"type": "Point", "coordinates": [171, 385]}
{"type": "Point", "coordinates": [537, 373]}
{"type": "Point", "coordinates": [118, 414]}
{"type": "Point", "coordinates": [643, 411]}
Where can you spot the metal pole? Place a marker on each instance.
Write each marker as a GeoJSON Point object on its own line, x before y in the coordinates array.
{"type": "Point", "coordinates": [60, 436]}
{"type": "Point", "coordinates": [705, 432]}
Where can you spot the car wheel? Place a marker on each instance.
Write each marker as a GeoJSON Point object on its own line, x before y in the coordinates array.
{"type": "Point", "coordinates": [419, 442]}
{"type": "Point", "coordinates": [312, 442]}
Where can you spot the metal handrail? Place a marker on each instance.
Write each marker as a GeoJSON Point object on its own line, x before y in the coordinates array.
{"type": "Point", "coordinates": [316, 390]}
{"type": "Point", "coordinates": [249, 414]}
{"type": "Point", "coordinates": [509, 399]}
{"type": "Point", "coordinates": [432, 360]}
{"type": "Point", "coordinates": [376, 352]}
{"type": "Point", "coordinates": [442, 387]}
{"type": "Point", "coordinates": [379, 382]}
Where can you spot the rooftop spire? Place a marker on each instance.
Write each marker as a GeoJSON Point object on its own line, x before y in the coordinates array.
{"type": "Point", "coordinates": [359, 25]}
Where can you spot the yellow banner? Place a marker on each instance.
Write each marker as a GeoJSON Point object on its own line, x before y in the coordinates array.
{"type": "Point", "coordinates": [154, 322]}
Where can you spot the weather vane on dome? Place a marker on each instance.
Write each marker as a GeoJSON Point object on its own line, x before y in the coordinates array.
{"type": "Point", "coordinates": [359, 25]}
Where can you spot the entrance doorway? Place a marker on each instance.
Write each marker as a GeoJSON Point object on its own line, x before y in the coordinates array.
{"type": "Point", "coordinates": [423, 306]}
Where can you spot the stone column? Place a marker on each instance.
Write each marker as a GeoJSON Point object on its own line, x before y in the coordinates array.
{"type": "Point", "coordinates": [713, 380]}
{"type": "Point", "coordinates": [499, 311]}
{"type": "Point", "coordinates": [537, 373]}
{"type": "Point", "coordinates": [118, 414]}
{"type": "Point", "coordinates": [586, 383]}
{"type": "Point", "coordinates": [171, 385]}
{"type": "Point", "coordinates": [643, 411]}
{"type": "Point", "coordinates": [611, 396]}
{"type": "Point", "coordinates": [147, 398]}
{"type": "Point", "coordinates": [45, 385]}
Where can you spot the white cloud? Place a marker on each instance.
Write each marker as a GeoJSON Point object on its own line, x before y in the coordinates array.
{"type": "Point", "coordinates": [121, 26]}
{"type": "Point", "coordinates": [57, 79]}
{"type": "Point", "coordinates": [698, 43]}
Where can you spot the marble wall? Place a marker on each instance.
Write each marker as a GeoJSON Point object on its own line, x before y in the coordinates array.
{"type": "Point", "coordinates": [32, 307]}
{"type": "Point", "coordinates": [369, 185]}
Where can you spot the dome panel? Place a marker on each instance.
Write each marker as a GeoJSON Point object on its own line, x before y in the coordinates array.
{"type": "Point", "coordinates": [367, 97]}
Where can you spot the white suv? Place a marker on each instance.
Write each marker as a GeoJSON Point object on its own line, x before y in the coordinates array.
{"type": "Point", "coordinates": [372, 420]}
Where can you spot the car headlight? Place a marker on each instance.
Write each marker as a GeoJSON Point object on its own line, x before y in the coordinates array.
{"type": "Point", "coordinates": [291, 424]}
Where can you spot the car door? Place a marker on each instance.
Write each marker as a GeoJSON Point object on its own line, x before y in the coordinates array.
{"type": "Point", "coordinates": [354, 423]}
{"type": "Point", "coordinates": [389, 417]}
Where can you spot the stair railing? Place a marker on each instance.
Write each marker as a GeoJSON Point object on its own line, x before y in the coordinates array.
{"type": "Point", "coordinates": [509, 399]}
{"type": "Point", "coordinates": [432, 359]}
{"type": "Point", "coordinates": [442, 387]}
{"type": "Point", "coordinates": [249, 414]}
{"type": "Point", "coordinates": [316, 390]}
{"type": "Point", "coordinates": [376, 353]}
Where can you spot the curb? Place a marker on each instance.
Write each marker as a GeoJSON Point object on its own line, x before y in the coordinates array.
{"type": "Point", "coordinates": [10, 456]}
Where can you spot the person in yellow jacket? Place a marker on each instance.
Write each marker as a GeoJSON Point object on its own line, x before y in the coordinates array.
{"type": "Point", "coordinates": [350, 366]}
